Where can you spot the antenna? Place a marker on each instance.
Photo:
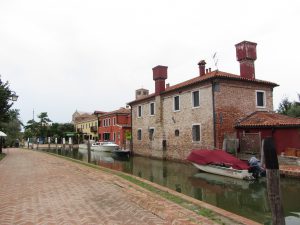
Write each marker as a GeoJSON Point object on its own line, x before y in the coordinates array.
{"type": "Point", "coordinates": [216, 60]}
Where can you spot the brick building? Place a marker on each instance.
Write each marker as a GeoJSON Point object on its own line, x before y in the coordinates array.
{"type": "Point", "coordinates": [200, 112]}
{"type": "Point", "coordinates": [114, 125]}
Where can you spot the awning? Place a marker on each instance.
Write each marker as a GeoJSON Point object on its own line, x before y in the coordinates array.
{"type": "Point", "coordinates": [2, 134]}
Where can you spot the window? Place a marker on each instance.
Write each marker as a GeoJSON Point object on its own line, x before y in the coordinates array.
{"type": "Point", "coordinates": [114, 136]}
{"type": "Point", "coordinates": [260, 99]}
{"type": "Point", "coordinates": [139, 111]}
{"type": "Point", "coordinates": [195, 99]}
{"type": "Point", "coordinates": [139, 134]}
{"type": "Point", "coordinates": [151, 134]}
{"type": "Point", "coordinates": [152, 109]}
{"type": "Point", "coordinates": [196, 132]}
{"type": "Point", "coordinates": [176, 103]}
{"type": "Point", "coordinates": [114, 121]}
{"type": "Point", "coordinates": [177, 133]}
{"type": "Point", "coordinates": [104, 123]}
{"type": "Point", "coordinates": [108, 122]}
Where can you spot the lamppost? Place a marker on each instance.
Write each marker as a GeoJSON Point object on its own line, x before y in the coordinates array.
{"type": "Point", "coordinates": [13, 97]}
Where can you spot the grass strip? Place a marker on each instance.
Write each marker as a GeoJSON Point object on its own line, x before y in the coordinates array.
{"type": "Point", "coordinates": [2, 155]}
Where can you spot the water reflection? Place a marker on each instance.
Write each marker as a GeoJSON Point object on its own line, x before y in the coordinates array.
{"type": "Point", "coordinates": [248, 199]}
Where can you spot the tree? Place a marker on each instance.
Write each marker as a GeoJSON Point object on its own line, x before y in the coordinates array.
{"type": "Point", "coordinates": [289, 108]}
{"type": "Point", "coordinates": [13, 128]}
{"type": "Point", "coordinates": [43, 128]}
{"type": "Point", "coordinates": [43, 124]}
{"type": "Point", "coordinates": [5, 104]}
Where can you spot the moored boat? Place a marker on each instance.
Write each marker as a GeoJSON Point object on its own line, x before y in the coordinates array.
{"type": "Point", "coordinates": [121, 152]}
{"type": "Point", "coordinates": [221, 163]}
{"type": "Point", "coordinates": [102, 146]}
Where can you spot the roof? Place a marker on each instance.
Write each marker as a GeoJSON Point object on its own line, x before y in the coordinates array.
{"type": "Point", "coordinates": [118, 111]}
{"type": "Point", "coordinates": [85, 118]}
{"type": "Point", "coordinates": [264, 119]}
{"type": "Point", "coordinates": [206, 77]}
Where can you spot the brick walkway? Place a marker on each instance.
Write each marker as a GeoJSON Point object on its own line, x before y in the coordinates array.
{"type": "Point", "coordinates": [36, 188]}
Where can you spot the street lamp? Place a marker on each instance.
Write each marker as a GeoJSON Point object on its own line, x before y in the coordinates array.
{"type": "Point", "coordinates": [14, 97]}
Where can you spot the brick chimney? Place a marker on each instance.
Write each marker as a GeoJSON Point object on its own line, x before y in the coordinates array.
{"type": "Point", "coordinates": [202, 67]}
{"type": "Point", "coordinates": [246, 55]}
{"type": "Point", "coordinates": [160, 74]}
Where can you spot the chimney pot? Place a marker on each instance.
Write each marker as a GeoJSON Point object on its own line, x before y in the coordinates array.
{"type": "Point", "coordinates": [160, 74]}
{"type": "Point", "coordinates": [206, 70]}
{"type": "Point", "coordinates": [246, 55]}
{"type": "Point", "coordinates": [202, 67]}
{"type": "Point", "coordinates": [209, 69]}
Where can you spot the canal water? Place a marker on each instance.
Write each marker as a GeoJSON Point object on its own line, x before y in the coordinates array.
{"type": "Point", "coordinates": [245, 198]}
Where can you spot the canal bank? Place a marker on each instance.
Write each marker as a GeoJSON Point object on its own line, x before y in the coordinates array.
{"type": "Point", "coordinates": [40, 188]}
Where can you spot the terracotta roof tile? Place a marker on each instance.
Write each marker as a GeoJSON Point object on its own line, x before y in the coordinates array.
{"type": "Point", "coordinates": [208, 76]}
{"type": "Point", "coordinates": [268, 119]}
{"type": "Point", "coordinates": [118, 111]}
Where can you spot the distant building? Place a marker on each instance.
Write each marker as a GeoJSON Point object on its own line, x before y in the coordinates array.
{"type": "Point", "coordinates": [200, 112]}
{"type": "Point", "coordinates": [86, 124]}
{"type": "Point", "coordinates": [113, 126]}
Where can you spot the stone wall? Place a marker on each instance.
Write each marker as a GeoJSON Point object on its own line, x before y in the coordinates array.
{"type": "Point", "coordinates": [166, 121]}
{"type": "Point", "coordinates": [179, 147]}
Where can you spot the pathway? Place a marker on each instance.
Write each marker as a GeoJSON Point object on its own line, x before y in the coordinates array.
{"type": "Point", "coordinates": [37, 188]}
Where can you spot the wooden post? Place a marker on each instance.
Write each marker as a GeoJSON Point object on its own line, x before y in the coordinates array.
{"type": "Point", "coordinates": [56, 145]}
{"type": "Point", "coordinates": [64, 145]}
{"type": "Point", "coordinates": [49, 140]}
{"type": "Point", "coordinates": [0, 145]}
{"type": "Point", "coordinates": [37, 144]}
{"type": "Point", "coordinates": [273, 182]}
{"type": "Point", "coordinates": [89, 150]}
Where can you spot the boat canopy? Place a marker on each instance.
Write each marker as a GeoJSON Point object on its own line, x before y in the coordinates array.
{"type": "Point", "coordinates": [216, 157]}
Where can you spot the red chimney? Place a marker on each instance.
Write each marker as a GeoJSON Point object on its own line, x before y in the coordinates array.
{"type": "Point", "coordinates": [160, 74]}
{"type": "Point", "coordinates": [202, 67]}
{"type": "Point", "coordinates": [246, 55]}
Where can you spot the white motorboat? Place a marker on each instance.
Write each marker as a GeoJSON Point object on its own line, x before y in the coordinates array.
{"type": "Point", "coordinates": [104, 146]}
{"type": "Point", "coordinates": [225, 171]}
{"type": "Point", "coordinates": [221, 163]}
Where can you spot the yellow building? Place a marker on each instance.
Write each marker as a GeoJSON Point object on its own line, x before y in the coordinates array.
{"type": "Point", "coordinates": [86, 124]}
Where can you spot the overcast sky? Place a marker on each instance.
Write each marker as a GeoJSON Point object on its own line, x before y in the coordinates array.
{"type": "Point", "coordinates": [63, 55]}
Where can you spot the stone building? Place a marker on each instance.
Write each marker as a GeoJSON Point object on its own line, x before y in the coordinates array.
{"type": "Point", "coordinates": [200, 112]}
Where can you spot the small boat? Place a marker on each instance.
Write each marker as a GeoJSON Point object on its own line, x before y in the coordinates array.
{"type": "Point", "coordinates": [221, 163]}
{"type": "Point", "coordinates": [121, 152]}
{"type": "Point", "coordinates": [104, 146]}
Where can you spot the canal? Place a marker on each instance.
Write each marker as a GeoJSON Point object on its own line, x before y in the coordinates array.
{"type": "Point", "coordinates": [245, 198]}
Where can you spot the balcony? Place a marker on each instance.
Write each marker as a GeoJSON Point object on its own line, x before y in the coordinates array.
{"type": "Point", "coordinates": [94, 129]}
{"type": "Point", "coordinates": [79, 130]}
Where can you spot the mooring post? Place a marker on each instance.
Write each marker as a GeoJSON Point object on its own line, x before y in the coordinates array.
{"type": "Point", "coordinates": [64, 145]}
{"type": "Point", "coordinates": [273, 181]}
{"type": "Point", "coordinates": [37, 144]}
{"type": "Point", "coordinates": [49, 140]}
{"type": "Point", "coordinates": [89, 150]}
{"type": "Point", "coordinates": [56, 146]}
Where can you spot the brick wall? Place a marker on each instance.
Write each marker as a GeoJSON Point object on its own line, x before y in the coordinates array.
{"type": "Point", "coordinates": [234, 101]}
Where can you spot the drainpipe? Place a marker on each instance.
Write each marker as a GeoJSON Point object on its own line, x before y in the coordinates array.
{"type": "Point", "coordinates": [214, 111]}
{"type": "Point", "coordinates": [131, 141]}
